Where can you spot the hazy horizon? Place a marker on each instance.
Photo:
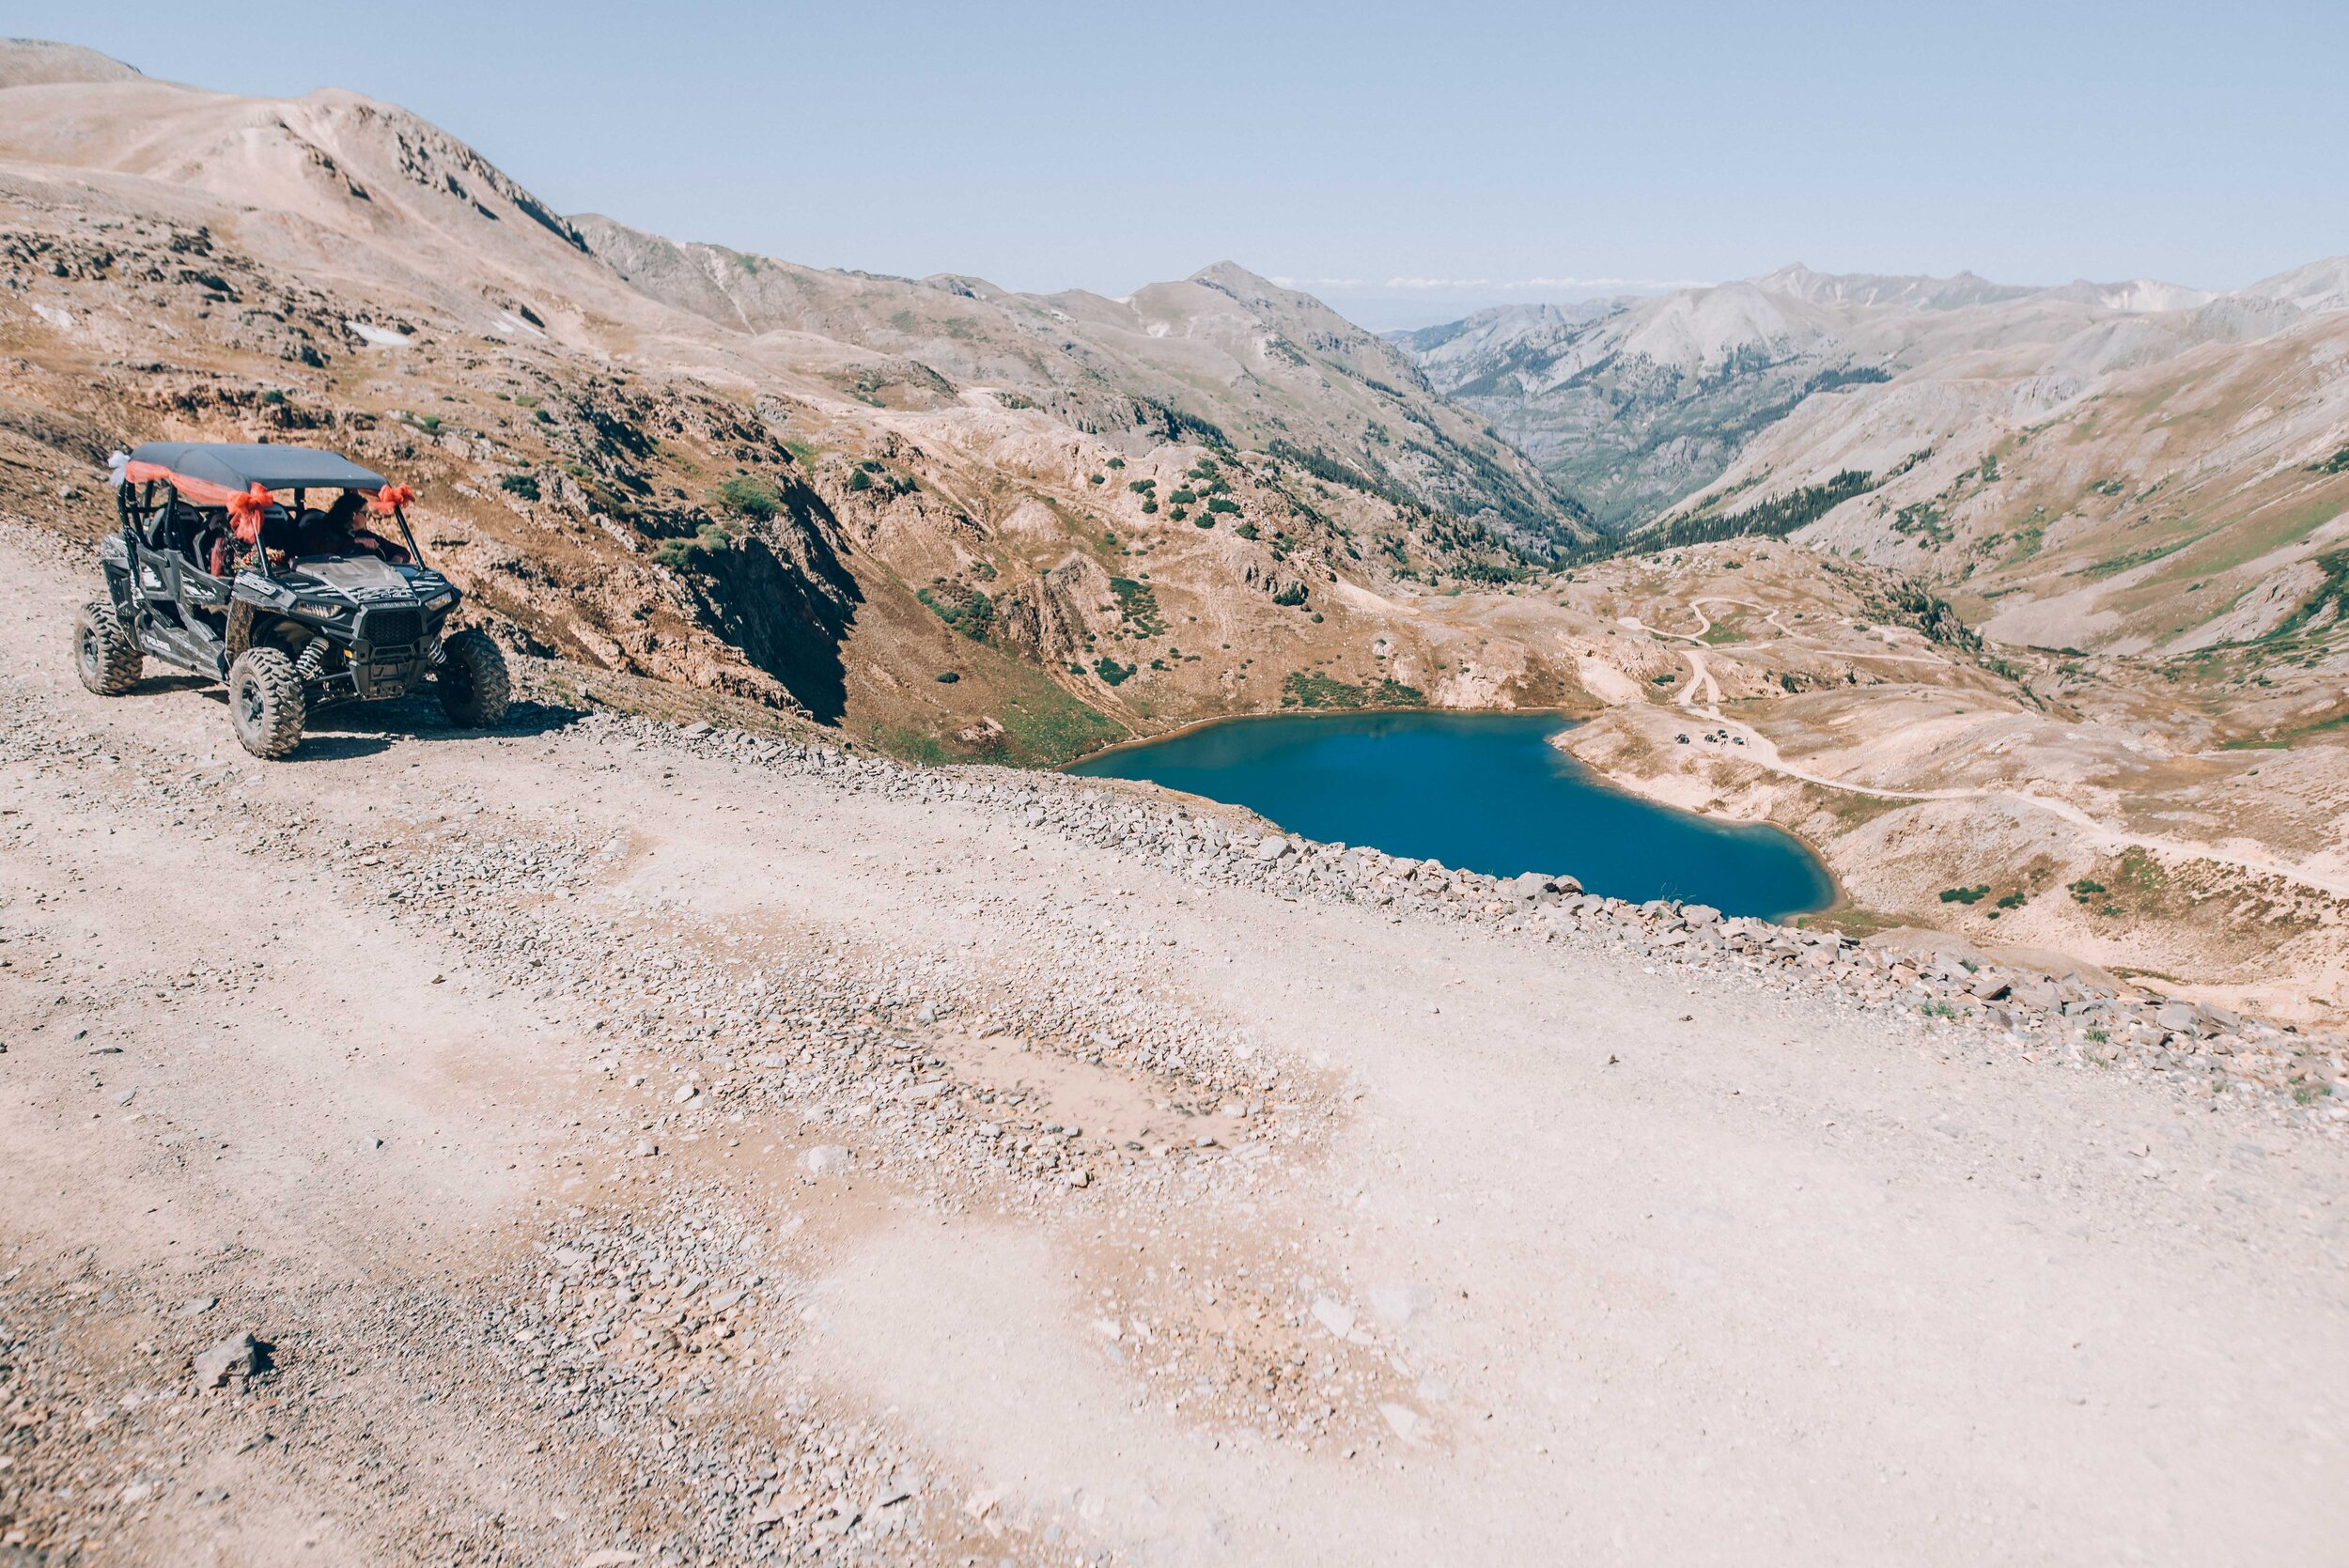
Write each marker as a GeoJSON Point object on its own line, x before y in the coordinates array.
{"type": "Point", "coordinates": [1406, 176]}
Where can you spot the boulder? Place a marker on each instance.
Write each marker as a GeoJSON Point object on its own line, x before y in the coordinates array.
{"type": "Point", "coordinates": [2183, 1017]}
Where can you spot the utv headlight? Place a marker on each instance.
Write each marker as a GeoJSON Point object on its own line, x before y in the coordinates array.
{"type": "Point", "coordinates": [318, 612]}
{"type": "Point", "coordinates": [439, 602]}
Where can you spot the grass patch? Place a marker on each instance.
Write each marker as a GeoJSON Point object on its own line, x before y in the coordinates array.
{"type": "Point", "coordinates": [1046, 727]}
{"type": "Point", "coordinates": [2119, 563]}
{"type": "Point", "coordinates": [2333, 591]}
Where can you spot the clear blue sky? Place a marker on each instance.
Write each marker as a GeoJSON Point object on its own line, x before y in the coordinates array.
{"type": "Point", "coordinates": [1485, 152]}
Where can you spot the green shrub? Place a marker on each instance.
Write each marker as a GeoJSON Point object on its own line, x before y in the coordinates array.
{"type": "Point", "coordinates": [860, 480]}
{"type": "Point", "coordinates": [1218, 504]}
{"type": "Point", "coordinates": [523, 485]}
{"type": "Point", "coordinates": [1149, 506]}
{"type": "Point", "coordinates": [751, 497]}
{"type": "Point", "coordinates": [1245, 529]}
{"type": "Point", "coordinates": [1142, 486]}
{"type": "Point", "coordinates": [965, 608]}
{"type": "Point", "coordinates": [1138, 607]}
{"type": "Point", "coordinates": [1312, 689]}
{"type": "Point", "coordinates": [1965, 895]}
{"type": "Point", "coordinates": [689, 553]}
{"type": "Point", "coordinates": [1117, 462]}
{"type": "Point", "coordinates": [1111, 671]}
{"type": "Point", "coordinates": [1181, 497]}
{"type": "Point", "coordinates": [1292, 595]}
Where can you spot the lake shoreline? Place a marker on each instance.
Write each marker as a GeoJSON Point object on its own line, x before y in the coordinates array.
{"type": "Point", "coordinates": [1484, 789]}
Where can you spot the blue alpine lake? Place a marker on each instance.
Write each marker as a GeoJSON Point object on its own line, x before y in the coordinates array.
{"type": "Point", "coordinates": [1481, 792]}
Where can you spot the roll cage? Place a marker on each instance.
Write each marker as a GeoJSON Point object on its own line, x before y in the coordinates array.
{"type": "Point", "coordinates": [159, 519]}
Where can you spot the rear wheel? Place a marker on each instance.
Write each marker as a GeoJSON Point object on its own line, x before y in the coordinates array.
{"type": "Point", "coordinates": [265, 702]}
{"type": "Point", "coordinates": [470, 681]}
{"type": "Point", "coordinates": [105, 654]}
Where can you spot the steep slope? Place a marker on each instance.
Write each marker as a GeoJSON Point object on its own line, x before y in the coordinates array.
{"type": "Point", "coordinates": [35, 62]}
{"type": "Point", "coordinates": [2163, 481]}
{"type": "Point", "coordinates": [780, 503]}
{"type": "Point", "coordinates": [1224, 357]}
{"type": "Point", "coordinates": [965, 524]}
{"type": "Point", "coordinates": [1656, 400]}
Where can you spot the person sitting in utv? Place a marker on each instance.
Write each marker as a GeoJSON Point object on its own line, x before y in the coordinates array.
{"type": "Point", "coordinates": [337, 532]}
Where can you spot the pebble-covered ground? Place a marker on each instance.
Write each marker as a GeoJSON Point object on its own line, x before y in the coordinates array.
{"type": "Point", "coordinates": [611, 1143]}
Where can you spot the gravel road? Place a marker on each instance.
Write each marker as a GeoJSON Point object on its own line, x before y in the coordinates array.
{"type": "Point", "coordinates": [590, 1145]}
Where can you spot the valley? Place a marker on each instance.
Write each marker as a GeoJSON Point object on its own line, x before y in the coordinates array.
{"type": "Point", "coordinates": [1877, 529]}
{"type": "Point", "coordinates": [1070, 952]}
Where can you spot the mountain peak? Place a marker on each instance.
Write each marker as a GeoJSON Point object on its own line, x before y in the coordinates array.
{"type": "Point", "coordinates": [1911, 291]}
{"type": "Point", "coordinates": [40, 63]}
{"type": "Point", "coordinates": [2319, 286]}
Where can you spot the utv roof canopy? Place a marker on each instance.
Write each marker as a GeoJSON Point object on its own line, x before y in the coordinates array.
{"type": "Point", "coordinates": [210, 476]}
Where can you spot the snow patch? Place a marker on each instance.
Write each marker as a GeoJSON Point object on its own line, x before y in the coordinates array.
{"type": "Point", "coordinates": [375, 337]}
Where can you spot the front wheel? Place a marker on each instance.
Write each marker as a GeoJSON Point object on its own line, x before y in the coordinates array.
{"type": "Point", "coordinates": [470, 681]}
{"type": "Point", "coordinates": [265, 702]}
{"type": "Point", "coordinates": [105, 655]}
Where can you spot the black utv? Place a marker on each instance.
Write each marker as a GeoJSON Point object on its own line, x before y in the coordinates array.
{"type": "Point", "coordinates": [293, 604]}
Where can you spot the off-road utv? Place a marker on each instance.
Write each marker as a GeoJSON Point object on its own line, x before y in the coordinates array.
{"type": "Point", "coordinates": [292, 605]}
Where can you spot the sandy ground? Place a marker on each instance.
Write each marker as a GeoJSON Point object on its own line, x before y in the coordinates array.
{"type": "Point", "coordinates": [1523, 1252]}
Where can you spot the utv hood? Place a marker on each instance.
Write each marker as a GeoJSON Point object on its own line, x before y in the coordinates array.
{"type": "Point", "coordinates": [356, 575]}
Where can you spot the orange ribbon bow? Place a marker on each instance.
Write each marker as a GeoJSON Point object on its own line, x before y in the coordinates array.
{"type": "Point", "coordinates": [389, 499]}
{"type": "Point", "coordinates": [246, 511]}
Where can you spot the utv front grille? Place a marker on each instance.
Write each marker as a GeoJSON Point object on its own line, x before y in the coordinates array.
{"type": "Point", "coordinates": [390, 626]}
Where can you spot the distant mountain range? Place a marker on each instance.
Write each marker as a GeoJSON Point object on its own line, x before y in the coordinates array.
{"type": "Point", "coordinates": [2127, 465]}
{"type": "Point", "coordinates": [2133, 466]}
{"type": "Point", "coordinates": [1633, 404]}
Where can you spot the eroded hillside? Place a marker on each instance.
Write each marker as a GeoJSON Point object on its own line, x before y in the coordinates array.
{"type": "Point", "coordinates": [965, 524]}
{"type": "Point", "coordinates": [920, 549]}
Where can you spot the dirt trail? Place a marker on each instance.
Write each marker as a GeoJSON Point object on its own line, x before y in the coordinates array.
{"type": "Point", "coordinates": [1702, 695]}
{"type": "Point", "coordinates": [1409, 1242]}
